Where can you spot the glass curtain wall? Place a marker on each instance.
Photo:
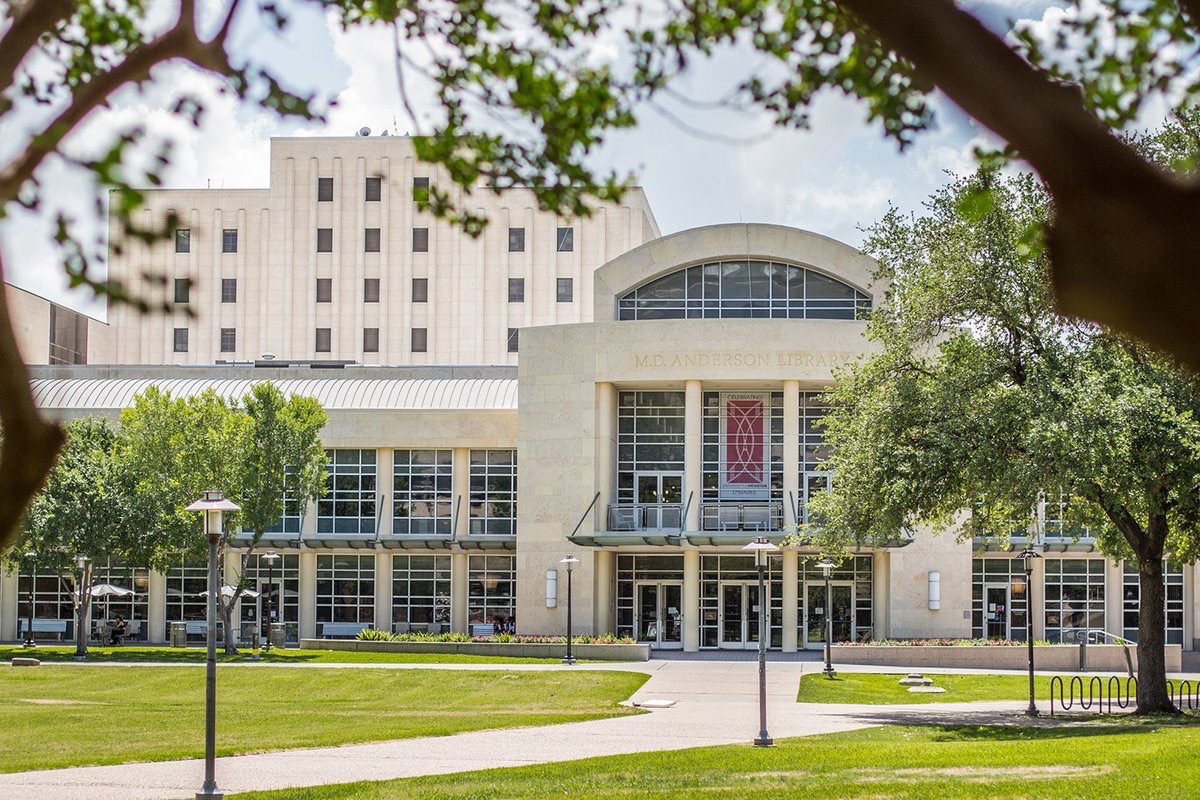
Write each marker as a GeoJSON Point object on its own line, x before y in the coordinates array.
{"type": "Point", "coordinates": [649, 460]}
{"type": "Point", "coordinates": [1074, 597]}
{"type": "Point", "coordinates": [286, 578]}
{"type": "Point", "coordinates": [634, 569]}
{"type": "Point", "coordinates": [999, 599]}
{"type": "Point", "coordinates": [814, 477]}
{"type": "Point", "coordinates": [134, 609]}
{"type": "Point", "coordinates": [492, 589]}
{"type": "Point", "coordinates": [51, 601]}
{"type": "Point", "coordinates": [1131, 592]}
{"type": "Point", "coordinates": [422, 492]}
{"type": "Point", "coordinates": [345, 589]}
{"type": "Point", "coordinates": [186, 585]}
{"type": "Point", "coordinates": [420, 591]}
{"type": "Point", "coordinates": [349, 507]}
{"type": "Point", "coordinates": [729, 603]}
{"type": "Point", "coordinates": [852, 590]}
{"type": "Point", "coordinates": [493, 492]}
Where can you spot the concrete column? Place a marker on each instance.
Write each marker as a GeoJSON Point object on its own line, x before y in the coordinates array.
{"type": "Point", "coordinates": [881, 594]}
{"type": "Point", "coordinates": [156, 613]}
{"type": "Point", "coordinates": [308, 595]}
{"type": "Point", "coordinates": [10, 603]}
{"type": "Point", "coordinates": [693, 463]}
{"type": "Point", "coordinates": [383, 488]}
{"type": "Point", "coordinates": [606, 453]}
{"type": "Point", "coordinates": [458, 590]}
{"type": "Point", "coordinates": [460, 483]}
{"type": "Point", "coordinates": [383, 588]}
{"type": "Point", "coordinates": [602, 591]}
{"type": "Point", "coordinates": [1037, 598]}
{"type": "Point", "coordinates": [1189, 607]}
{"type": "Point", "coordinates": [1114, 593]}
{"type": "Point", "coordinates": [791, 455]}
{"type": "Point", "coordinates": [231, 570]}
{"type": "Point", "coordinates": [691, 600]}
{"type": "Point", "coordinates": [791, 597]}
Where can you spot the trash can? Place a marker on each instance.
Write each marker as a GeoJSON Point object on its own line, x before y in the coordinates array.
{"type": "Point", "coordinates": [178, 634]}
{"type": "Point", "coordinates": [278, 634]}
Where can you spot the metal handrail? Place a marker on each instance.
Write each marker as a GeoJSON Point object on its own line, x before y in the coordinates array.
{"type": "Point", "coordinates": [1100, 636]}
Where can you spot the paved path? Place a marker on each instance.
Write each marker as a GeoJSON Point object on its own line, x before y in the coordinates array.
{"type": "Point", "coordinates": [716, 702]}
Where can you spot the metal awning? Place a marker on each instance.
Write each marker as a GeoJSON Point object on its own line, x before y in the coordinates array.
{"type": "Point", "coordinates": [623, 538]}
{"type": "Point", "coordinates": [417, 543]}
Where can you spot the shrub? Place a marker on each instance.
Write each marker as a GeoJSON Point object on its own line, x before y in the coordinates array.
{"type": "Point", "coordinates": [374, 635]}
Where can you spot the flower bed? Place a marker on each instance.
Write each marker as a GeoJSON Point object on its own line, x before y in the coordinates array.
{"type": "Point", "coordinates": [594, 651]}
{"type": "Point", "coordinates": [985, 655]}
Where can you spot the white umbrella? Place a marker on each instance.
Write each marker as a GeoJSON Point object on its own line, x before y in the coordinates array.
{"type": "Point", "coordinates": [107, 589]}
{"type": "Point", "coordinates": [227, 592]}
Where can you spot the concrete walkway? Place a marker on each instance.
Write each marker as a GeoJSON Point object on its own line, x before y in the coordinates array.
{"type": "Point", "coordinates": [716, 703]}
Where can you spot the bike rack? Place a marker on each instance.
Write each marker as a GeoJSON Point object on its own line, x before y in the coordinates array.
{"type": "Point", "coordinates": [1121, 691]}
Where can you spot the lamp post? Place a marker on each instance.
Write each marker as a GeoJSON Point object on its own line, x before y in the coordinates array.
{"type": "Point", "coordinates": [213, 504]}
{"type": "Point", "coordinates": [1027, 556]}
{"type": "Point", "coordinates": [270, 557]}
{"type": "Point", "coordinates": [760, 547]}
{"type": "Point", "coordinates": [81, 588]}
{"type": "Point", "coordinates": [32, 556]}
{"type": "Point", "coordinates": [826, 568]}
{"type": "Point", "coordinates": [569, 562]}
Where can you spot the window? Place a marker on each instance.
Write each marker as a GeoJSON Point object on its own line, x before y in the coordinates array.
{"type": "Point", "coordinates": [999, 599]}
{"type": "Point", "coordinates": [324, 340]}
{"type": "Point", "coordinates": [421, 589]}
{"type": "Point", "coordinates": [566, 240]}
{"type": "Point", "coordinates": [422, 492]}
{"type": "Point", "coordinates": [131, 607]}
{"type": "Point", "coordinates": [186, 585]}
{"type": "Point", "coordinates": [183, 240]}
{"type": "Point", "coordinates": [324, 190]}
{"type": "Point", "coordinates": [491, 588]}
{"type": "Point", "coordinates": [516, 240]}
{"type": "Point", "coordinates": [374, 189]}
{"type": "Point", "coordinates": [566, 290]}
{"type": "Point", "coordinates": [420, 188]}
{"type": "Point", "coordinates": [493, 492]}
{"type": "Point", "coordinates": [345, 589]}
{"type": "Point", "coordinates": [513, 335]}
{"type": "Point", "coordinates": [420, 290]}
{"type": "Point", "coordinates": [420, 340]}
{"type": "Point", "coordinates": [370, 290]}
{"type": "Point", "coordinates": [229, 240]}
{"type": "Point", "coordinates": [348, 506]}
{"type": "Point", "coordinates": [1074, 597]}
{"type": "Point", "coordinates": [371, 240]}
{"type": "Point", "coordinates": [324, 240]}
{"type": "Point", "coordinates": [420, 240]}
{"type": "Point", "coordinates": [370, 340]}
{"type": "Point", "coordinates": [516, 290]}
{"type": "Point", "coordinates": [324, 290]}
{"type": "Point", "coordinates": [229, 290]}
{"type": "Point", "coordinates": [284, 595]}
{"type": "Point", "coordinates": [183, 289]}
{"type": "Point", "coordinates": [1173, 602]}
{"type": "Point", "coordinates": [228, 340]}
{"type": "Point", "coordinates": [181, 340]}
{"type": "Point", "coordinates": [650, 445]}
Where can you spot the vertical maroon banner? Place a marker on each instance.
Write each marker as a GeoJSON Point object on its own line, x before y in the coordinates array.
{"type": "Point", "coordinates": [745, 470]}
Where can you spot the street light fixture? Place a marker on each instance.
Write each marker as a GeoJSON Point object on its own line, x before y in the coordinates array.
{"type": "Point", "coordinates": [270, 557]}
{"type": "Point", "coordinates": [760, 547]}
{"type": "Point", "coordinates": [569, 562]}
{"type": "Point", "coordinates": [32, 556]}
{"type": "Point", "coordinates": [213, 504]}
{"type": "Point", "coordinates": [1027, 556]}
{"type": "Point", "coordinates": [826, 568]}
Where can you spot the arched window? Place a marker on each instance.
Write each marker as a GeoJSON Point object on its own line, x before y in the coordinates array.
{"type": "Point", "coordinates": [744, 289]}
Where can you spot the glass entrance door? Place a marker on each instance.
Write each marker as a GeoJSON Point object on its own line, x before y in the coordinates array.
{"type": "Point", "coordinates": [996, 615]}
{"type": "Point", "coordinates": [740, 609]}
{"type": "Point", "coordinates": [659, 495]}
{"type": "Point", "coordinates": [659, 614]}
{"type": "Point", "coordinates": [267, 602]}
{"type": "Point", "coordinates": [842, 594]}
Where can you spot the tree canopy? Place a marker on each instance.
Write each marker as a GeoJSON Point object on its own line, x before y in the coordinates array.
{"type": "Point", "coordinates": [982, 397]}
{"type": "Point", "coordinates": [525, 97]}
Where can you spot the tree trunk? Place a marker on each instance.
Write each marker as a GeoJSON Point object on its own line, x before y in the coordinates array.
{"type": "Point", "coordinates": [1152, 696]}
{"type": "Point", "coordinates": [226, 612]}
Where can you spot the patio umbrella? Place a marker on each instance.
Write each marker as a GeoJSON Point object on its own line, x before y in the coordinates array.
{"type": "Point", "coordinates": [107, 590]}
{"type": "Point", "coordinates": [227, 592]}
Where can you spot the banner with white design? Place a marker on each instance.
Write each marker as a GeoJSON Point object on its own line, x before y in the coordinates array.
{"type": "Point", "coordinates": [745, 463]}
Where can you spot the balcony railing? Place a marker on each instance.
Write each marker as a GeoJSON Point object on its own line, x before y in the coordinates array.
{"type": "Point", "coordinates": [645, 517]}
{"type": "Point", "coordinates": [766, 516]}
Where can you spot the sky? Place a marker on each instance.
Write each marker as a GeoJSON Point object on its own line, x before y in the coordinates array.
{"type": "Point", "coordinates": [836, 178]}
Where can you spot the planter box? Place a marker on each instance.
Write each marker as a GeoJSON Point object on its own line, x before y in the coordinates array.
{"type": "Point", "coordinates": [1055, 657]}
{"type": "Point", "coordinates": [593, 652]}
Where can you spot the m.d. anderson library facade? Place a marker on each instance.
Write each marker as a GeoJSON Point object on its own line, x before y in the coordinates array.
{"type": "Point", "coordinates": [670, 384]}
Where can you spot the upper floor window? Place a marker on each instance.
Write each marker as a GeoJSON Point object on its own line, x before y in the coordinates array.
{"type": "Point", "coordinates": [516, 290]}
{"type": "Point", "coordinates": [420, 240]}
{"type": "Point", "coordinates": [181, 340]}
{"type": "Point", "coordinates": [374, 189]}
{"type": "Point", "coordinates": [324, 290]}
{"type": "Point", "coordinates": [566, 240]}
{"type": "Point", "coordinates": [229, 238]}
{"type": "Point", "coordinates": [516, 240]}
{"type": "Point", "coordinates": [228, 340]}
{"type": "Point", "coordinates": [348, 506]}
{"type": "Point", "coordinates": [324, 190]}
{"type": "Point", "coordinates": [420, 188]}
{"type": "Point", "coordinates": [324, 240]}
{"type": "Point", "coordinates": [370, 340]}
{"type": "Point", "coordinates": [758, 289]}
{"type": "Point", "coordinates": [371, 240]}
{"type": "Point", "coordinates": [228, 290]}
{"type": "Point", "coordinates": [183, 290]}
{"type": "Point", "coordinates": [420, 340]}
{"type": "Point", "coordinates": [420, 290]}
{"type": "Point", "coordinates": [566, 290]}
{"type": "Point", "coordinates": [514, 335]}
{"type": "Point", "coordinates": [370, 290]}
{"type": "Point", "coordinates": [324, 342]}
{"type": "Point", "coordinates": [183, 240]}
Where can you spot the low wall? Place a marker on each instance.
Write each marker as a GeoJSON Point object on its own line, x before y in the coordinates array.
{"type": "Point", "coordinates": [1056, 657]}
{"type": "Point", "coordinates": [592, 652]}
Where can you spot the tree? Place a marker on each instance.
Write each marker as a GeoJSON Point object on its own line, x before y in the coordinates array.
{"type": "Point", "coordinates": [1122, 243]}
{"type": "Point", "coordinates": [982, 397]}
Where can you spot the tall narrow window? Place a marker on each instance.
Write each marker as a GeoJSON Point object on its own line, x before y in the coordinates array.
{"type": "Point", "coordinates": [420, 188]}
{"type": "Point", "coordinates": [516, 240]}
{"type": "Point", "coordinates": [181, 340]}
{"type": "Point", "coordinates": [420, 240]}
{"type": "Point", "coordinates": [420, 290]}
{"type": "Point", "coordinates": [566, 290]}
{"type": "Point", "coordinates": [374, 189]}
{"type": "Point", "coordinates": [566, 240]}
{"type": "Point", "coordinates": [324, 340]}
{"type": "Point", "coordinates": [420, 340]}
{"type": "Point", "coordinates": [229, 290]}
{"type": "Point", "coordinates": [228, 340]}
{"type": "Point", "coordinates": [370, 340]}
{"type": "Point", "coordinates": [516, 290]}
{"type": "Point", "coordinates": [183, 290]}
{"type": "Point", "coordinates": [183, 240]}
{"type": "Point", "coordinates": [513, 334]}
{"type": "Point", "coordinates": [324, 190]}
{"type": "Point", "coordinates": [371, 290]}
{"type": "Point", "coordinates": [324, 240]}
{"type": "Point", "coordinates": [371, 240]}
{"type": "Point", "coordinates": [229, 238]}
{"type": "Point", "coordinates": [324, 290]}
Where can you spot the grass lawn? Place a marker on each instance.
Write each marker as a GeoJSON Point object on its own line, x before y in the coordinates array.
{"type": "Point", "coordinates": [931, 762]}
{"type": "Point", "coordinates": [197, 655]}
{"type": "Point", "coordinates": [58, 716]}
{"type": "Point", "coordinates": [875, 688]}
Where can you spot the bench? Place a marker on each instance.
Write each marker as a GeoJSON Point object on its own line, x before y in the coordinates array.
{"type": "Point", "coordinates": [58, 626]}
{"type": "Point", "coordinates": [483, 629]}
{"type": "Point", "coordinates": [196, 628]}
{"type": "Point", "coordinates": [342, 630]}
